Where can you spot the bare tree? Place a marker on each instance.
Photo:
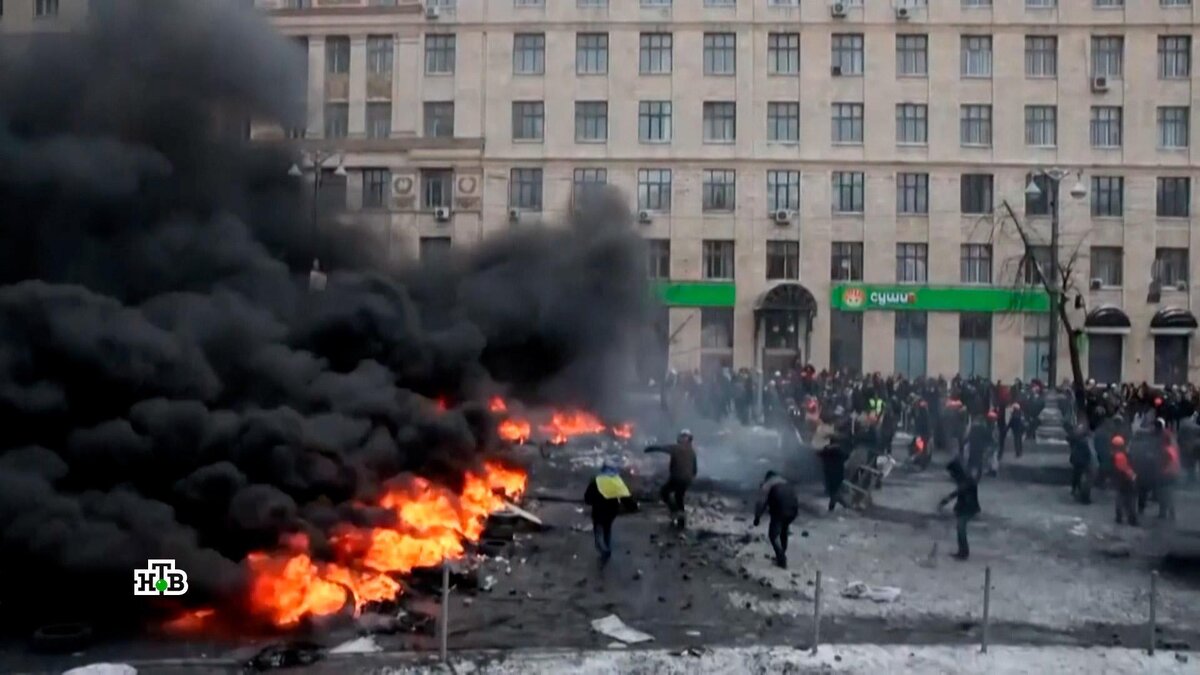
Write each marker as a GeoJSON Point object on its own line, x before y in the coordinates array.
{"type": "Point", "coordinates": [1067, 286]}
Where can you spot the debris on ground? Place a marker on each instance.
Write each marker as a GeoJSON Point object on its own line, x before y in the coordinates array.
{"type": "Point", "coordinates": [1079, 529]}
{"type": "Point", "coordinates": [362, 645]}
{"type": "Point", "coordinates": [285, 655]}
{"type": "Point", "coordinates": [103, 669]}
{"type": "Point", "coordinates": [613, 627]}
{"type": "Point", "coordinates": [514, 510]}
{"type": "Point", "coordinates": [858, 590]}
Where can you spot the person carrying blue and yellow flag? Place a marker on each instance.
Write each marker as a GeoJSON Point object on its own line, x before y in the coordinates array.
{"type": "Point", "coordinates": [608, 496]}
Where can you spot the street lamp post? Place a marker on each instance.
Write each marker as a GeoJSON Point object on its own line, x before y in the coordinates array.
{"type": "Point", "coordinates": [316, 162]}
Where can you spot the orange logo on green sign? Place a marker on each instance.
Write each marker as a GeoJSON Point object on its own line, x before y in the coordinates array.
{"type": "Point", "coordinates": [854, 297]}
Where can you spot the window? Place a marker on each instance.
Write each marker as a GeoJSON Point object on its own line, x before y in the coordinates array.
{"type": "Point", "coordinates": [528, 120]}
{"type": "Point", "coordinates": [1174, 57]}
{"type": "Point", "coordinates": [1107, 263]}
{"type": "Point", "coordinates": [375, 183]}
{"type": "Point", "coordinates": [1041, 56]}
{"type": "Point", "coordinates": [654, 57]}
{"type": "Point", "coordinates": [1037, 347]}
{"type": "Point", "coordinates": [586, 180]}
{"type": "Point", "coordinates": [912, 55]}
{"type": "Point", "coordinates": [1172, 126]}
{"type": "Point", "coordinates": [1041, 125]}
{"type": "Point", "coordinates": [658, 258]}
{"type": "Point", "coordinates": [975, 345]}
{"type": "Point", "coordinates": [783, 190]}
{"type": "Point", "coordinates": [591, 4]}
{"type": "Point", "coordinates": [846, 261]}
{"type": "Point", "coordinates": [912, 263]}
{"type": "Point", "coordinates": [591, 121]}
{"type": "Point", "coordinates": [720, 122]}
{"type": "Point", "coordinates": [1171, 266]}
{"type": "Point", "coordinates": [716, 339]}
{"type": "Point", "coordinates": [337, 120]}
{"type": "Point", "coordinates": [654, 121]}
{"type": "Point", "coordinates": [1174, 197]}
{"type": "Point", "coordinates": [1108, 196]}
{"type": "Point", "coordinates": [720, 53]}
{"type": "Point", "coordinates": [848, 123]}
{"type": "Point", "coordinates": [783, 121]}
{"type": "Point", "coordinates": [434, 249]}
{"type": "Point", "coordinates": [529, 54]}
{"type": "Point", "coordinates": [1040, 4]}
{"type": "Point", "coordinates": [911, 333]}
{"type": "Point", "coordinates": [847, 54]}
{"type": "Point", "coordinates": [591, 53]}
{"type": "Point", "coordinates": [1106, 126]}
{"type": "Point", "coordinates": [439, 54]}
{"type": "Point", "coordinates": [654, 190]}
{"type": "Point", "coordinates": [656, 3]}
{"type": "Point", "coordinates": [380, 51]}
{"type": "Point", "coordinates": [337, 55]}
{"type": "Point", "coordinates": [783, 53]}
{"type": "Point", "coordinates": [1108, 55]}
{"type": "Point", "coordinates": [43, 8]}
{"type": "Point", "coordinates": [1175, 3]}
{"type": "Point", "coordinates": [525, 189]}
{"type": "Point", "coordinates": [720, 189]}
{"type": "Point", "coordinates": [976, 55]}
{"type": "Point", "coordinates": [1171, 359]}
{"type": "Point", "coordinates": [1039, 205]}
{"type": "Point", "coordinates": [1036, 258]}
{"type": "Point", "coordinates": [976, 193]}
{"type": "Point", "coordinates": [912, 194]}
{"type": "Point", "coordinates": [718, 259]}
{"type": "Point", "coordinates": [848, 191]}
{"type": "Point", "coordinates": [975, 263]}
{"type": "Point", "coordinates": [437, 187]}
{"type": "Point", "coordinates": [1109, 3]}
{"type": "Point", "coordinates": [379, 120]}
{"type": "Point", "coordinates": [783, 260]}
{"type": "Point", "coordinates": [976, 125]}
{"type": "Point", "coordinates": [912, 123]}
{"type": "Point", "coordinates": [439, 119]}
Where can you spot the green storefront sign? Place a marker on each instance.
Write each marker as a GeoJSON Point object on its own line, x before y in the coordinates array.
{"type": "Point", "coordinates": [866, 297]}
{"type": "Point", "coordinates": [697, 293]}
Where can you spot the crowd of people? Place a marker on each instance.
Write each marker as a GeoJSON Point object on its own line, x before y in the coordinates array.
{"type": "Point", "coordinates": [1140, 440]}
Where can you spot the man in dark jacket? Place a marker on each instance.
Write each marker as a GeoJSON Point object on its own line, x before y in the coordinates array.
{"type": "Point", "coordinates": [608, 496]}
{"type": "Point", "coordinates": [682, 472]}
{"type": "Point", "coordinates": [779, 500]}
{"type": "Point", "coordinates": [1083, 462]}
{"type": "Point", "coordinates": [966, 505]}
{"type": "Point", "coordinates": [1016, 423]}
{"type": "Point", "coordinates": [833, 455]}
{"type": "Point", "coordinates": [979, 444]}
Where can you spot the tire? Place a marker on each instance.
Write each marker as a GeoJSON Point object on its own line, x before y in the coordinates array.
{"type": "Point", "coordinates": [61, 638]}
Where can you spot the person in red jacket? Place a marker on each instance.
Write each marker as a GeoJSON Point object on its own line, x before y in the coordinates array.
{"type": "Point", "coordinates": [1168, 475]}
{"type": "Point", "coordinates": [1126, 481]}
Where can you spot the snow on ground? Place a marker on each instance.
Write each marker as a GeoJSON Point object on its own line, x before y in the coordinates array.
{"type": "Point", "coordinates": [872, 659]}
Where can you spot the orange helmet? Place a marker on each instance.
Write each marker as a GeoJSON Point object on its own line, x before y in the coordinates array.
{"type": "Point", "coordinates": [1118, 441]}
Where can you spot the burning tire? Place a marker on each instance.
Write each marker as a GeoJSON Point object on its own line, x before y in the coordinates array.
{"type": "Point", "coordinates": [62, 637]}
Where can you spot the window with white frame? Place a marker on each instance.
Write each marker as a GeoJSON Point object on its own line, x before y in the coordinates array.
{"type": "Point", "coordinates": [783, 259]}
{"type": "Point", "coordinates": [654, 54]}
{"type": "Point", "coordinates": [654, 190]}
{"type": "Point", "coordinates": [591, 53]}
{"type": "Point", "coordinates": [912, 55]}
{"type": "Point", "coordinates": [976, 58]}
{"type": "Point", "coordinates": [1041, 4]}
{"type": "Point", "coordinates": [654, 121]}
{"type": "Point", "coordinates": [846, 261]}
{"type": "Point", "coordinates": [337, 120]}
{"type": "Point", "coordinates": [439, 54]}
{"type": "Point", "coordinates": [375, 186]}
{"type": "Point", "coordinates": [439, 119]}
{"type": "Point", "coordinates": [529, 54]}
{"type": "Point", "coordinates": [975, 263]}
{"type": "Point", "coordinates": [337, 55]}
{"type": "Point", "coordinates": [528, 120]}
{"type": "Point", "coordinates": [720, 53]}
{"type": "Point", "coordinates": [1041, 56]}
{"type": "Point", "coordinates": [912, 123]}
{"type": "Point", "coordinates": [658, 258]}
{"type": "Point", "coordinates": [1108, 56]}
{"type": "Point", "coordinates": [847, 54]}
{"type": "Point", "coordinates": [847, 123]}
{"type": "Point", "coordinates": [1041, 125]}
{"type": "Point", "coordinates": [525, 189]}
{"type": "Point", "coordinates": [976, 193]}
{"type": "Point", "coordinates": [1174, 57]}
{"type": "Point", "coordinates": [912, 194]}
{"type": "Point", "coordinates": [783, 190]}
{"type": "Point", "coordinates": [1108, 196]}
{"type": "Point", "coordinates": [720, 121]}
{"type": "Point", "coordinates": [1173, 197]}
{"type": "Point", "coordinates": [591, 121]}
{"type": "Point", "coordinates": [379, 119]}
{"type": "Point", "coordinates": [437, 188]}
{"type": "Point", "coordinates": [1173, 126]}
{"type": "Point", "coordinates": [380, 54]}
{"type": "Point", "coordinates": [1108, 265]}
{"type": "Point", "coordinates": [976, 124]}
{"type": "Point", "coordinates": [718, 258]}
{"type": "Point", "coordinates": [585, 181]}
{"type": "Point", "coordinates": [1171, 265]}
{"type": "Point", "coordinates": [719, 191]}
{"type": "Point", "coordinates": [848, 191]}
{"type": "Point", "coordinates": [783, 53]}
{"type": "Point", "coordinates": [912, 263]}
{"type": "Point", "coordinates": [783, 121]}
{"type": "Point", "coordinates": [1106, 126]}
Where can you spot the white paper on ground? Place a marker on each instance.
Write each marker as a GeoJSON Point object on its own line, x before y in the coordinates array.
{"type": "Point", "coordinates": [103, 669]}
{"type": "Point", "coordinates": [613, 627]}
{"type": "Point", "coordinates": [362, 645]}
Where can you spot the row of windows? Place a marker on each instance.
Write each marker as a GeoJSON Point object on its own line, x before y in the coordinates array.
{"type": "Point", "coordinates": [848, 192]}
{"type": "Point", "coordinates": [600, 4]}
{"type": "Point", "coordinates": [656, 123]}
{"type": "Point", "coordinates": [719, 57]}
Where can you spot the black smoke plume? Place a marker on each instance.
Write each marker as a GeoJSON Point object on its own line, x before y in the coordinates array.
{"type": "Point", "coordinates": [169, 385]}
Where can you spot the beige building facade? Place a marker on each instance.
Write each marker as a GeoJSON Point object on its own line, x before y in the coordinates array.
{"type": "Point", "coordinates": [822, 180]}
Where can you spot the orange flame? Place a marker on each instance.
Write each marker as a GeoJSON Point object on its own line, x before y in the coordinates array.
{"type": "Point", "coordinates": [564, 425]}
{"type": "Point", "coordinates": [515, 430]}
{"type": "Point", "coordinates": [191, 622]}
{"type": "Point", "coordinates": [497, 404]}
{"type": "Point", "coordinates": [432, 524]}
{"type": "Point", "coordinates": [623, 431]}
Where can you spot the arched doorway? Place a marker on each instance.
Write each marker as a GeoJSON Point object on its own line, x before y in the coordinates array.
{"type": "Point", "coordinates": [783, 318]}
{"type": "Point", "coordinates": [1106, 327]}
{"type": "Point", "coordinates": [1172, 328]}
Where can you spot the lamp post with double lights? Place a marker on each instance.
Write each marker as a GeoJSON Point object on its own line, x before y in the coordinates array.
{"type": "Point", "coordinates": [315, 163]}
{"type": "Point", "coordinates": [1032, 191]}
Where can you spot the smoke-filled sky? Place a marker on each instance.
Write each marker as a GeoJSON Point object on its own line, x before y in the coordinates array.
{"type": "Point", "coordinates": [169, 387]}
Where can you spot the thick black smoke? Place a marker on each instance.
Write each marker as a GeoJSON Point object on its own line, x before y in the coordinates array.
{"type": "Point", "coordinates": [169, 386]}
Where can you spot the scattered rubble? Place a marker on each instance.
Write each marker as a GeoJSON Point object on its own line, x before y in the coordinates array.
{"type": "Point", "coordinates": [857, 590]}
{"type": "Point", "coordinates": [285, 655]}
{"type": "Point", "coordinates": [613, 627]}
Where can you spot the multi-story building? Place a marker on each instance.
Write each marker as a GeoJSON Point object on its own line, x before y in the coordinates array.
{"type": "Point", "coordinates": [834, 181]}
